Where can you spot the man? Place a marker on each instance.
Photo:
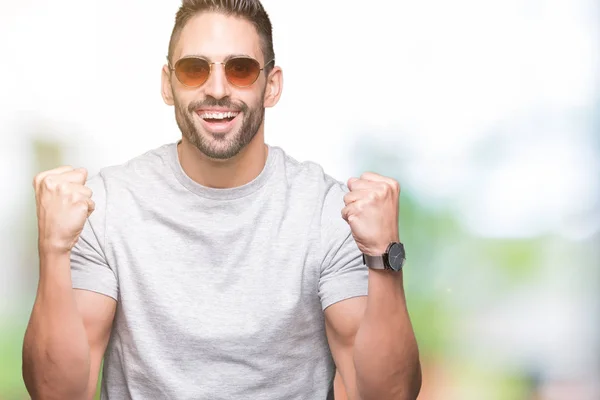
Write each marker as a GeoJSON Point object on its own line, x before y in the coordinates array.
{"type": "Point", "coordinates": [218, 267]}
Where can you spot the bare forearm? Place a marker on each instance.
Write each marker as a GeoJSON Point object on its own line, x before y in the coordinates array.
{"type": "Point", "coordinates": [56, 354]}
{"type": "Point", "coordinates": [386, 356]}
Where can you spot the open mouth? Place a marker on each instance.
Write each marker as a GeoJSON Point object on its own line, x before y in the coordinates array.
{"type": "Point", "coordinates": [212, 117]}
{"type": "Point", "coordinates": [218, 121]}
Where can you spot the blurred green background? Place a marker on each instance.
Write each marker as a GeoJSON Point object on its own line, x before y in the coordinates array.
{"type": "Point", "coordinates": [486, 112]}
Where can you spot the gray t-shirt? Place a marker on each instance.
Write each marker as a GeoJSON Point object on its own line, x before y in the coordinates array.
{"type": "Point", "coordinates": [220, 292]}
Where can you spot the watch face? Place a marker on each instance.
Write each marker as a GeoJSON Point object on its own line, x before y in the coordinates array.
{"type": "Point", "coordinates": [396, 256]}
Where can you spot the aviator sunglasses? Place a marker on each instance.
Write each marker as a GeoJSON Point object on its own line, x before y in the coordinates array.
{"type": "Point", "coordinates": [194, 71]}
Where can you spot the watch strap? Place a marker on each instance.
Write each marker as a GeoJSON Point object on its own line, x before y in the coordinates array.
{"type": "Point", "coordinates": [374, 262]}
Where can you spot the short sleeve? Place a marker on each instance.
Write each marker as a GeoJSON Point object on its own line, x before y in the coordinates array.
{"type": "Point", "coordinates": [89, 267]}
{"type": "Point", "coordinates": [343, 274]}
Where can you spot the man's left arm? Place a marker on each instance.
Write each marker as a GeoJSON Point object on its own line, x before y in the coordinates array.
{"type": "Point", "coordinates": [371, 338]}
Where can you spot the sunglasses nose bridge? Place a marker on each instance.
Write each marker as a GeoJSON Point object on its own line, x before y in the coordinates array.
{"type": "Point", "coordinates": [216, 84]}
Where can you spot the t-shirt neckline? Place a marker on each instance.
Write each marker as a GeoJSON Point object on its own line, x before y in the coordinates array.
{"type": "Point", "coordinates": [216, 193]}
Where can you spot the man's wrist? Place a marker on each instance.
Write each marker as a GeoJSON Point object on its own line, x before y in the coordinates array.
{"type": "Point", "coordinates": [51, 256]}
{"type": "Point", "coordinates": [55, 271]}
{"type": "Point", "coordinates": [48, 248]}
{"type": "Point", "coordinates": [381, 248]}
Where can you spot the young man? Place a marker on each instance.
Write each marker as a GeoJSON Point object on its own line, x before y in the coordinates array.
{"type": "Point", "coordinates": [218, 267]}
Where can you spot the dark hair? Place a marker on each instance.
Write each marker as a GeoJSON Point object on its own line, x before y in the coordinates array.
{"type": "Point", "coordinates": [251, 10]}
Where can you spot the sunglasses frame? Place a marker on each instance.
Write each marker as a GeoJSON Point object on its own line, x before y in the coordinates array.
{"type": "Point", "coordinates": [210, 64]}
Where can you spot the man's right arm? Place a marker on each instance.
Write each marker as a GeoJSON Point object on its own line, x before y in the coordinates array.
{"type": "Point", "coordinates": [66, 337]}
{"type": "Point", "coordinates": [68, 329]}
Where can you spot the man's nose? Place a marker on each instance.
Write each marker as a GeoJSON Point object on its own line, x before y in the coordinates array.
{"type": "Point", "coordinates": [217, 85]}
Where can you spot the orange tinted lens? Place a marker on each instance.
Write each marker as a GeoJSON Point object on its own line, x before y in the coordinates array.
{"type": "Point", "coordinates": [192, 71]}
{"type": "Point", "coordinates": [242, 71]}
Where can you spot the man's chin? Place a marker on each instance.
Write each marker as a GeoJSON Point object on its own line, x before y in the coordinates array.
{"type": "Point", "coordinates": [211, 137]}
{"type": "Point", "coordinates": [218, 146]}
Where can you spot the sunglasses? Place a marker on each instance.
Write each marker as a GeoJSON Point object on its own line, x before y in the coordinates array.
{"type": "Point", "coordinates": [194, 71]}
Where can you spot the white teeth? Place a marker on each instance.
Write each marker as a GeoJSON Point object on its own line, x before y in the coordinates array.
{"type": "Point", "coordinates": [218, 115]}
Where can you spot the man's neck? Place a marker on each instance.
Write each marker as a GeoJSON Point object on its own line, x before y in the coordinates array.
{"type": "Point", "coordinates": [222, 174]}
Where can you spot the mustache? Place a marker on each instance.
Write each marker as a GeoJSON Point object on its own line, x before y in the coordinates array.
{"type": "Point", "coordinates": [224, 102]}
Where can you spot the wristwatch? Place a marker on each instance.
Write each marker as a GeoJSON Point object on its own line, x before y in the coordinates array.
{"type": "Point", "coordinates": [392, 260]}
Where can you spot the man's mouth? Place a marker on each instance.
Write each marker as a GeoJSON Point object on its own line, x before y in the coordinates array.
{"type": "Point", "coordinates": [212, 117]}
{"type": "Point", "coordinates": [218, 121]}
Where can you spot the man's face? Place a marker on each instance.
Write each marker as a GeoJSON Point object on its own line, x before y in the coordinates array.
{"type": "Point", "coordinates": [199, 111]}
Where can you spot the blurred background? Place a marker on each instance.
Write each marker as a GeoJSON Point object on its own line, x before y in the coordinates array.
{"type": "Point", "coordinates": [486, 111]}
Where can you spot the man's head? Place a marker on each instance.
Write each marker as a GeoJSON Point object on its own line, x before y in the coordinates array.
{"type": "Point", "coordinates": [221, 73]}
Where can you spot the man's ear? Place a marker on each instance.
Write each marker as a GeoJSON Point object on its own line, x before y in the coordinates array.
{"type": "Point", "coordinates": [166, 88]}
{"type": "Point", "coordinates": [274, 87]}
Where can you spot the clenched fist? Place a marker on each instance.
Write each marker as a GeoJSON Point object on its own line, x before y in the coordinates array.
{"type": "Point", "coordinates": [63, 204]}
{"type": "Point", "coordinates": [371, 210]}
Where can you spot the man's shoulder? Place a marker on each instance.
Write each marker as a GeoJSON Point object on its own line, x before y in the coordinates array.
{"type": "Point", "coordinates": [310, 175]}
{"type": "Point", "coordinates": [138, 167]}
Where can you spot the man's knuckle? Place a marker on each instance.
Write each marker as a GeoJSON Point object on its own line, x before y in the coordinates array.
{"type": "Point", "coordinates": [79, 204]}
{"type": "Point", "coordinates": [62, 188]}
{"type": "Point", "coordinates": [73, 197]}
{"type": "Point", "coordinates": [48, 183]}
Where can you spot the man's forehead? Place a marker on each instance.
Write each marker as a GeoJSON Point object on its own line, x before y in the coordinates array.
{"type": "Point", "coordinates": [217, 36]}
